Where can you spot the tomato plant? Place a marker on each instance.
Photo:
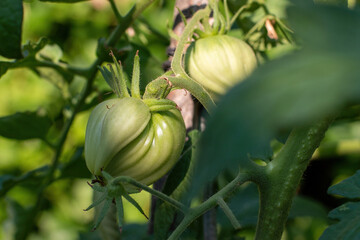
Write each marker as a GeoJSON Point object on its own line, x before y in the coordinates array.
{"type": "Point", "coordinates": [242, 123]}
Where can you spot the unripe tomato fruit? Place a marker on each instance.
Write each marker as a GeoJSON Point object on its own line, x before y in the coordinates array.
{"type": "Point", "coordinates": [137, 136]}
{"type": "Point", "coordinates": [124, 138]}
{"type": "Point", "coordinates": [218, 62]}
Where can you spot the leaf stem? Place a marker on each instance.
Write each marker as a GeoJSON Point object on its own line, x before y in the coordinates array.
{"type": "Point", "coordinates": [176, 63]}
{"type": "Point", "coordinates": [211, 202]}
{"type": "Point", "coordinates": [230, 215]}
{"type": "Point", "coordinates": [196, 90]}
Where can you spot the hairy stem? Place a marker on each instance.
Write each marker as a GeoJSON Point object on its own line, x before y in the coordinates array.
{"type": "Point", "coordinates": [196, 90]}
{"type": "Point", "coordinates": [284, 173]}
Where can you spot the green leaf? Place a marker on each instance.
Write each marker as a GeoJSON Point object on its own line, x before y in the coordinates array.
{"type": "Point", "coordinates": [306, 207]}
{"type": "Point", "coordinates": [63, 1]}
{"type": "Point", "coordinates": [289, 92]}
{"type": "Point", "coordinates": [11, 17]}
{"type": "Point", "coordinates": [33, 177]}
{"type": "Point", "coordinates": [76, 167]}
{"type": "Point", "coordinates": [349, 188]}
{"type": "Point", "coordinates": [348, 228]}
{"type": "Point", "coordinates": [25, 125]}
{"type": "Point", "coordinates": [20, 218]}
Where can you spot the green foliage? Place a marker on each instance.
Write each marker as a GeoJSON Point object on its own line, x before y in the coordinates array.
{"type": "Point", "coordinates": [8, 181]}
{"type": "Point", "coordinates": [25, 125]}
{"type": "Point", "coordinates": [11, 16]}
{"type": "Point", "coordinates": [348, 227]}
{"type": "Point", "coordinates": [63, 1]}
{"type": "Point", "coordinates": [284, 93]}
{"type": "Point", "coordinates": [348, 188]}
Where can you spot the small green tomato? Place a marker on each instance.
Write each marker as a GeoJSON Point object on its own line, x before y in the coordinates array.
{"type": "Point", "coordinates": [219, 62]}
{"type": "Point", "coordinates": [139, 137]}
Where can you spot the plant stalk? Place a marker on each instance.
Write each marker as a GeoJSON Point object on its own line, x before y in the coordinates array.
{"type": "Point", "coordinates": [284, 173]}
{"type": "Point", "coordinates": [211, 202]}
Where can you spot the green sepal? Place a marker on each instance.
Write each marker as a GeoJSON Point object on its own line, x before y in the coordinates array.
{"type": "Point", "coordinates": [116, 80]}
{"type": "Point", "coordinates": [134, 203]}
{"type": "Point", "coordinates": [158, 88]}
{"type": "Point", "coordinates": [107, 176]}
{"type": "Point", "coordinates": [158, 105]}
{"type": "Point", "coordinates": [119, 211]}
{"type": "Point", "coordinates": [96, 202]}
{"type": "Point", "coordinates": [103, 212]}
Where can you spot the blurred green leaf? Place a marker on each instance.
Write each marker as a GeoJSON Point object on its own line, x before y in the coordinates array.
{"type": "Point", "coordinates": [20, 217]}
{"type": "Point", "coordinates": [76, 167]}
{"type": "Point", "coordinates": [63, 1]}
{"type": "Point", "coordinates": [11, 17]}
{"type": "Point", "coordinates": [32, 177]}
{"type": "Point", "coordinates": [288, 92]}
{"type": "Point", "coordinates": [326, 27]}
{"type": "Point", "coordinates": [349, 188]}
{"type": "Point", "coordinates": [25, 125]}
{"type": "Point", "coordinates": [348, 228]}
{"type": "Point", "coordinates": [306, 207]}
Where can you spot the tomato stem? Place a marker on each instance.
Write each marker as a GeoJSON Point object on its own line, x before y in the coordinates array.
{"type": "Point", "coordinates": [283, 174]}
{"type": "Point", "coordinates": [196, 90]}
{"type": "Point", "coordinates": [181, 78]}
{"type": "Point", "coordinates": [210, 203]}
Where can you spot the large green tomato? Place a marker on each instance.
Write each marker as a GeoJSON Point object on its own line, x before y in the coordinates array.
{"type": "Point", "coordinates": [124, 138]}
{"type": "Point", "coordinates": [218, 62]}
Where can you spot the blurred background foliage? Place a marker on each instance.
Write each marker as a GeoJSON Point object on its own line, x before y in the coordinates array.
{"type": "Point", "coordinates": [73, 31]}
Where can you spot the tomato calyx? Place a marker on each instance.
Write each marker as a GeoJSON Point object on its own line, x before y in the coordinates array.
{"type": "Point", "coordinates": [111, 192]}
{"type": "Point", "coordinates": [155, 92]}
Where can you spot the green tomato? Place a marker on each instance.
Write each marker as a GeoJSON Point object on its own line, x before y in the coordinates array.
{"type": "Point", "coordinates": [125, 138]}
{"type": "Point", "coordinates": [219, 62]}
